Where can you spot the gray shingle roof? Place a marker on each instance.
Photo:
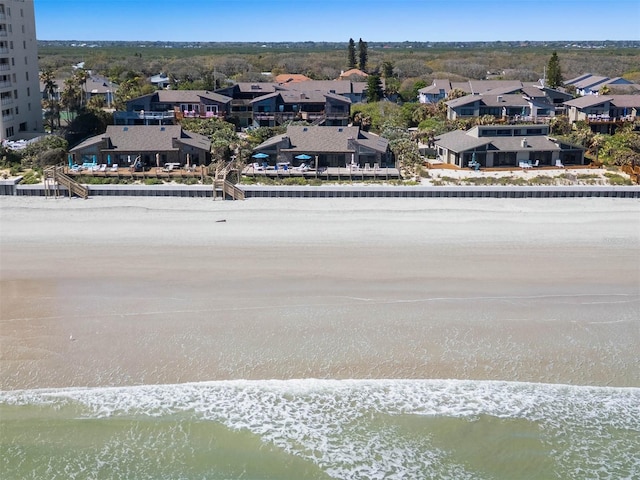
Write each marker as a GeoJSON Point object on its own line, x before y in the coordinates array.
{"type": "Point", "coordinates": [189, 96]}
{"type": "Point", "coordinates": [626, 101]}
{"type": "Point", "coordinates": [140, 138]}
{"type": "Point", "coordinates": [312, 140]}
{"type": "Point", "coordinates": [460, 141]}
{"type": "Point", "coordinates": [490, 100]}
{"type": "Point", "coordinates": [587, 101]}
{"type": "Point", "coordinates": [534, 143]}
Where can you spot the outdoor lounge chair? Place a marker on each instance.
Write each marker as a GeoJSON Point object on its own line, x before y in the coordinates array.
{"type": "Point", "coordinates": [559, 163]}
{"type": "Point", "coordinates": [114, 168]}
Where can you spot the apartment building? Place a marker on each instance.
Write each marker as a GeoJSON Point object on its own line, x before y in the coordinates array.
{"type": "Point", "coordinates": [21, 116]}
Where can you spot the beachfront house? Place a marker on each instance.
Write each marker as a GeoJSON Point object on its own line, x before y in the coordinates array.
{"type": "Point", "coordinates": [589, 84]}
{"type": "Point", "coordinates": [604, 113]}
{"type": "Point", "coordinates": [312, 106]}
{"type": "Point", "coordinates": [257, 104]}
{"type": "Point", "coordinates": [506, 146]}
{"type": "Point", "coordinates": [153, 145]}
{"type": "Point", "coordinates": [510, 107]}
{"type": "Point", "coordinates": [164, 107]}
{"type": "Point", "coordinates": [326, 147]}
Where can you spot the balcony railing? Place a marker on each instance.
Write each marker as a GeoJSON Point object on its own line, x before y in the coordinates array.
{"type": "Point", "coordinates": [604, 118]}
{"type": "Point", "coordinates": [192, 114]}
{"type": "Point", "coordinates": [143, 115]}
{"type": "Point", "coordinates": [6, 101]}
{"type": "Point", "coordinates": [5, 67]}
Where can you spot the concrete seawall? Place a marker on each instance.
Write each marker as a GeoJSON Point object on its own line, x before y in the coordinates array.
{"type": "Point", "coordinates": [10, 187]}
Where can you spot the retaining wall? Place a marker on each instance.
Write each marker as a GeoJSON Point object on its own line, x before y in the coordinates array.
{"type": "Point", "coordinates": [252, 191]}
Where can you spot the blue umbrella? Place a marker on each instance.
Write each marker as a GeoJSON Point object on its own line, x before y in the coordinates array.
{"type": "Point", "coordinates": [70, 157]}
{"type": "Point", "coordinates": [304, 156]}
{"type": "Point", "coordinates": [108, 159]}
{"type": "Point", "coordinates": [260, 155]}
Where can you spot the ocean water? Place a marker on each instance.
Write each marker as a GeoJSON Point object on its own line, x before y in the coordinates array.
{"type": "Point", "coordinates": [321, 429]}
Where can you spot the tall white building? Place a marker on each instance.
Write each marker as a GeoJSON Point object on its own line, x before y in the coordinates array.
{"type": "Point", "coordinates": [21, 115]}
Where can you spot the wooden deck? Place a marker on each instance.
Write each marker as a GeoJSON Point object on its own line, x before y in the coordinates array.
{"type": "Point", "coordinates": [329, 173]}
{"type": "Point", "coordinates": [155, 172]}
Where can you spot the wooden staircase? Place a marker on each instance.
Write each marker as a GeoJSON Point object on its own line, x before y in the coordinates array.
{"type": "Point", "coordinates": [319, 121]}
{"type": "Point", "coordinates": [223, 188]}
{"type": "Point", "coordinates": [54, 177]}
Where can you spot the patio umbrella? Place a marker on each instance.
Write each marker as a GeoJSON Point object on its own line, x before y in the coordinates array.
{"type": "Point", "coordinates": [260, 155]}
{"type": "Point", "coordinates": [70, 158]}
{"type": "Point", "coordinates": [108, 159]}
{"type": "Point", "coordinates": [303, 156]}
{"type": "Point", "coordinates": [158, 160]}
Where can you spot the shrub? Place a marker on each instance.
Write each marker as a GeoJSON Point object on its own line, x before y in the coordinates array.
{"type": "Point", "coordinates": [294, 181]}
{"type": "Point", "coordinates": [542, 180]}
{"type": "Point", "coordinates": [617, 179]}
{"type": "Point", "coordinates": [30, 178]}
{"type": "Point", "coordinates": [153, 181]}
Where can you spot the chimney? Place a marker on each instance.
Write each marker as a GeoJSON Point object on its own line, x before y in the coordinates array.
{"type": "Point", "coordinates": [499, 98]}
{"type": "Point", "coordinates": [524, 142]}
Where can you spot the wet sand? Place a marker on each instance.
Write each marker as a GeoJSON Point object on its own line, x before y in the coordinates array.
{"type": "Point", "coordinates": [155, 290]}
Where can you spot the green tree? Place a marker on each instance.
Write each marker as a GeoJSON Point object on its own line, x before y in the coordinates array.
{"type": "Point", "coordinates": [604, 90]}
{"type": "Point", "coordinates": [362, 55]}
{"type": "Point", "coordinates": [374, 89]}
{"type": "Point", "coordinates": [351, 54]}
{"type": "Point", "coordinates": [49, 150]}
{"type": "Point", "coordinates": [554, 73]}
{"type": "Point", "coordinates": [387, 69]}
{"type": "Point", "coordinates": [50, 104]}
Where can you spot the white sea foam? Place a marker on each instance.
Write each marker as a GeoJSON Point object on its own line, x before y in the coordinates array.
{"type": "Point", "coordinates": [327, 421]}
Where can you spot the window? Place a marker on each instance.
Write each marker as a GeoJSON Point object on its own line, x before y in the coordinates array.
{"type": "Point", "coordinates": [15, 94]}
{"type": "Point", "coordinates": [28, 91]}
{"type": "Point", "coordinates": [9, 132]}
{"type": "Point", "coordinates": [26, 60]}
{"type": "Point", "coordinates": [22, 127]}
{"type": "Point", "coordinates": [27, 76]}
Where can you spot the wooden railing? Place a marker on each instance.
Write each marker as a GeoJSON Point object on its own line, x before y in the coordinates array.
{"type": "Point", "coordinates": [55, 176]}
{"type": "Point", "coordinates": [223, 186]}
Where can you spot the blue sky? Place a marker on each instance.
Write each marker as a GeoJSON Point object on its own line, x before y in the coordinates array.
{"type": "Point", "coordinates": [337, 20]}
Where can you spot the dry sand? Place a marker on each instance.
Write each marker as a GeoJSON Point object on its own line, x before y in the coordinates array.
{"type": "Point", "coordinates": [113, 291]}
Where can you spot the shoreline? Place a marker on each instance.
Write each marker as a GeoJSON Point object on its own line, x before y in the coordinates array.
{"type": "Point", "coordinates": [156, 291]}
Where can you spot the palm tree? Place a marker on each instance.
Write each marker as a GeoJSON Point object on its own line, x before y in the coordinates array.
{"type": "Point", "coordinates": [80, 77]}
{"type": "Point", "coordinates": [50, 104]}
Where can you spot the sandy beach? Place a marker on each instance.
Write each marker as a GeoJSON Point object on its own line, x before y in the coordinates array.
{"type": "Point", "coordinates": [129, 291]}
